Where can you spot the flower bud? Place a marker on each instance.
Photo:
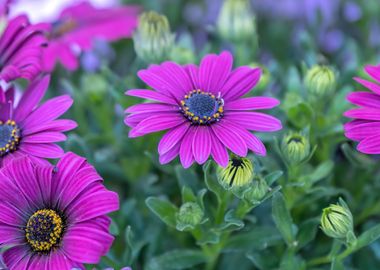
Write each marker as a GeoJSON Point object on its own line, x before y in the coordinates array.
{"type": "Point", "coordinates": [236, 21]}
{"type": "Point", "coordinates": [190, 215]}
{"type": "Point", "coordinates": [153, 40]}
{"type": "Point", "coordinates": [238, 173]}
{"type": "Point", "coordinates": [295, 148]}
{"type": "Point", "coordinates": [336, 220]}
{"type": "Point", "coordinates": [320, 82]}
{"type": "Point", "coordinates": [257, 191]}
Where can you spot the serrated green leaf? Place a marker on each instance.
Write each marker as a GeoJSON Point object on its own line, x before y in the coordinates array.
{"type": "Point", "coordinates": [164, 209]}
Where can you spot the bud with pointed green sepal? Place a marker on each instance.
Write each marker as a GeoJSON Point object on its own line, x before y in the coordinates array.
{"type": "Point", "coordinates": [259, 188]}
{"type": "Point", "coordinates": [236, 21]}
{"type": "Point", "coordinates": [238, 173]}
{"type": "Point", "coordinates": [295, 148]}
{"type": "Point", "coordinates": [337, 221]}
{"type": "Point", "coordinates": [190, 215]}
{"type": "Point", "coordinates": [320, 82]}
{"type": "Point", "coordinates": [153, 40]}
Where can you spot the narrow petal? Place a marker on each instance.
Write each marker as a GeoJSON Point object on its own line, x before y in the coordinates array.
{"type": "Point", "coordinates": [373, 71]}
{"type": "Point", "coordinates": [219, 153]}
{"type": "Point", "coordinates": [230, 138]}
{"type": "Point", "coordinates": [186, 152]}
{"type": "Point", "coordinates": [251, 103]}
{"type": "Point", "coordinates": [193, 72]}
{"type": "Point", "coordinates": [364, 99]}
{"type": "Point", "coordinates": [363, 113]}
{"type": "Point", "coordinates": [202, 144]}
{"type": "Point", "coordinates": [172, 137]}
{"type": "Point", "coordinates": [171, 154]}
{"type": "Point", "coordinates": [159, 121]}
{"type": "Point", "coordinates": [255, 121]}
{"type": "Point", "coordinates": [370, 85]}
{"type": "Point", "coordinates": [44, 137]}
{"type": "Point", "coordinates": [43, 150]}
{"type": "Point", "coordinates": [152, 95]}
{"type": "Point", "coordinates": [370, 145]}
{"type": "Point", "coordinates": [151, 107]}
{"type": "Point", "coordinates": [360, 132]}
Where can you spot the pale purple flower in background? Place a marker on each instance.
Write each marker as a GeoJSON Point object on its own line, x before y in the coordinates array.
{"type": "Point", "coordinates": [352, 11]}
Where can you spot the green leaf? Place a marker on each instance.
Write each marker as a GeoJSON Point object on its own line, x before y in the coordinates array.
{"type": "Point", "coordinates": [164, 209]}
{"type": "Point", "coordinates": [337, 264]}
{"type": "Point", "coordinates": [273, 177]}
{"type": "Point", "coordinates": [176, 260]}
{"type": "Point", "coordinates": [282, 219]}
{"type": "Point", "coordinates": [307, 232]}
{"type": "Point", "coordinates": [231, 222]}
{"type": "Point", "coordinates": [187, 177]}
{"type": "Point", "coordinates": [211, 183]}
{"type": "Point", "coordinates": [290, 261]}
{"type": "Point", "coordinates": [188, 195]}
{"type": "Point", "coordinates": [368, 237]}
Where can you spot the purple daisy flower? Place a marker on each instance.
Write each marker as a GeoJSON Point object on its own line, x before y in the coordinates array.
{"type": "Point", "coordinates": [27, 128]}
{"type": "Point", "coordinates": [21, 49]}
{"type": "Point", "coordinates": [54, 217]}
{"type": "Point", "coordinates": [366, 127]}
{"type": "Point", "coordinates": [203, 109]}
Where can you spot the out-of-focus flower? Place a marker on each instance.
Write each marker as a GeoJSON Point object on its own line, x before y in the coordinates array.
{"type": "Point", "coordinates": [4, 7]}
{"type": "Point", "coordinates": [366, 127]}
{"type": "Point", "coordinates": [257, 191]}
{"type": "Point", "coordinates": [21, 48]}
{"type": "Point", "coordinates": [27, 128]}
{"type": "Point", "coordinates": [190, 215]}
{"type": "Point", "coordinates": [238, 173]}
{"type": "Point", "coordinates": [78, 26]}
{"type": "Point", "coordinates": [153, 40]}
{"type": "Point", "coordinates": [337, 221]}
{"type": "Point", "coordinates": [352, 11]}
{"type": "Point", "coordinates": [320, 82]}
{"type": "Point", "coordinates": [203, 109]}
{"type": "Point", "coordinates": [236, 21]}
{"type": "Point", "coordinates": [54, 217]}
{"type": "Point", "coordinates": [295, 148]}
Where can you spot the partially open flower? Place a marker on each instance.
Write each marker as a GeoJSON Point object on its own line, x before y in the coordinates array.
{"type": "Point", "coordinates": [337, 220]}
{"type": "Point", "coordinates": [238, 173]}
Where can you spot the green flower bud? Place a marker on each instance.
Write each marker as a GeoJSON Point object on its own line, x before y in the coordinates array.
{"type": "Point", "coordinates": [153, 40]}
{"type": "Point", "coordinates": [190, 215]}
{"type": "Point", "coordinates": [95, 86]}
{"type": "Point", "coordinates": [320, 82]}
{"type": "Point", "coordinates": [257, 191]}
{"type": "Point", "coordinates": [295, 148]}
{"type": "Point", "coordinates": [337, 221]}
{"type": "Point", "coordinates": [238, 173]}
{"type": "Point", "coordinates": [236, 21]}
{"type": "Point", "coordinates": [264, 79]}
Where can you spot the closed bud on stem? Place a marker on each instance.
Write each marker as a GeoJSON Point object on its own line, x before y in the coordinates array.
{"type": "Point", "coordinates": [295, 148]}
{"type": "Point", "coordinates": [190, 215]}
{"type": "Point", "coordinates": [337, 221]}
{"type": "Point", "coordinates": [236, 21]}
{"type": "Point", "coordinates": [238, 173]}
{"type": "Point", "coordinates": [320, 82]}
{"type": "Point", "coordinates": [153, 40]}
{"type": "Point", "coordinates": [258, 190]}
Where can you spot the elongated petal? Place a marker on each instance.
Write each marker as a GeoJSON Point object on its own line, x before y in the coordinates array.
{"type": "Point", "coordinates": [172, 137]}
{"type": "Point", "coordinates": [364, 99]}
{"type": "Point", "coordinates": [370, 145]}
{"type": "Point", "coordinates": [152, 95]}
{"type": "Point", "coordinates": [202, 144]}
{"type": "Point", "coordinates": [255, 121]}
{"type": "Point", "coordinates": [364, 114]}
{"type": "Point", "coordinates": [252, 103]}
{"type": "Point", "coordinates": [230, 138]}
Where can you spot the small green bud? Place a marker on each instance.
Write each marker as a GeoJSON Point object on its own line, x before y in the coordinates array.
{"type": "Point", "coordinates": [190, 215]}
{"type": "Point", "coordinates": [337, 221]}
{"type": "Point", "coordinates": [295, 148]}
{"type": "Point", "coordinates": [320, 82]}
{"type": "Point", "coordinates": [236, 21]}
{"type": "Point", "coordinates": [238, 173]}
{"type": "Point", "coordinates": [95, 86]}
{"type": "Point", "coordinates": [153, 39]}
{"type": "Point", "coordinates": [257, 191]}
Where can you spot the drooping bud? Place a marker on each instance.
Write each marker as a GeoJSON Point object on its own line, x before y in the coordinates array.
{"type": "Point", "coordinates": [236, 21]}
{"type": "Point", "coordinates": [190, 215]}
{"type": "Point", "coordinates": [153, 40]}
{"type": "Point", "coordinates": [295, 148]}
{"type": "Point", "coordinates": [337, 221]}
{"type": "Point", "coordinates": [238, 173]}
{"type": "Point", "coordinates": [320, 82]}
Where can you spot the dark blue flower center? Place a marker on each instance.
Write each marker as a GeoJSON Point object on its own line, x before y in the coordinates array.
{"type": "Point", "coordinates": [44, 230]}
{"type": "Point", "coordinates": [202, 107]}
{"type": "Point", "coordinates": [9, 137]}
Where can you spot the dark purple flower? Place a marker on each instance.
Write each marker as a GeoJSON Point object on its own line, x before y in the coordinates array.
{"type": "Point", "coordinates": [54, 217]}
{"type": "Point", "coordinates": [204, 110]}
{"type": "Point", "coordinates": [27, 128]}
{"type": "Point", "coordinates": [366, 127]}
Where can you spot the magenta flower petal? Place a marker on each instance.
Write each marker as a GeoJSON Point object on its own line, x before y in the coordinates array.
{"type": "Point", "coordinates": [360, 132]}
{"type": "Point", "coordinates": [370, 85]}
{"type": "Point", "coordinates": [364, 114]}
{"type": "Point", "coordinates": [255, 121]}
{"type": "Point", "coordinates": [202, 109]}
{"type": "Point", "coordinates": [252, 103]}
{"type": "Point", "coordinates": [364, 99]}
{"type": "Point", "coordinates": [374, 72]}
{"type": "Point", "coordinates": [202, 144]}
{"type": "Point", "coordinates": [69, 198]}
{"type": "Point", "coordinates": [370, 145]}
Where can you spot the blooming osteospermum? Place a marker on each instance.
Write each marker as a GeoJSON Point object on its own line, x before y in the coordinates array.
{"type": "Point", "coordinates": [21, 49]}
{"type": "Point", "coordinates": [78, 26]}
{"type": "Point", "coordinates": [366, 127]}
{"type": "Point", "coordinates": [54, 217]}
{"type": "Point", "coordinates": [203, 109]}
{"type": "Point", "coordinates": [31, 129]}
